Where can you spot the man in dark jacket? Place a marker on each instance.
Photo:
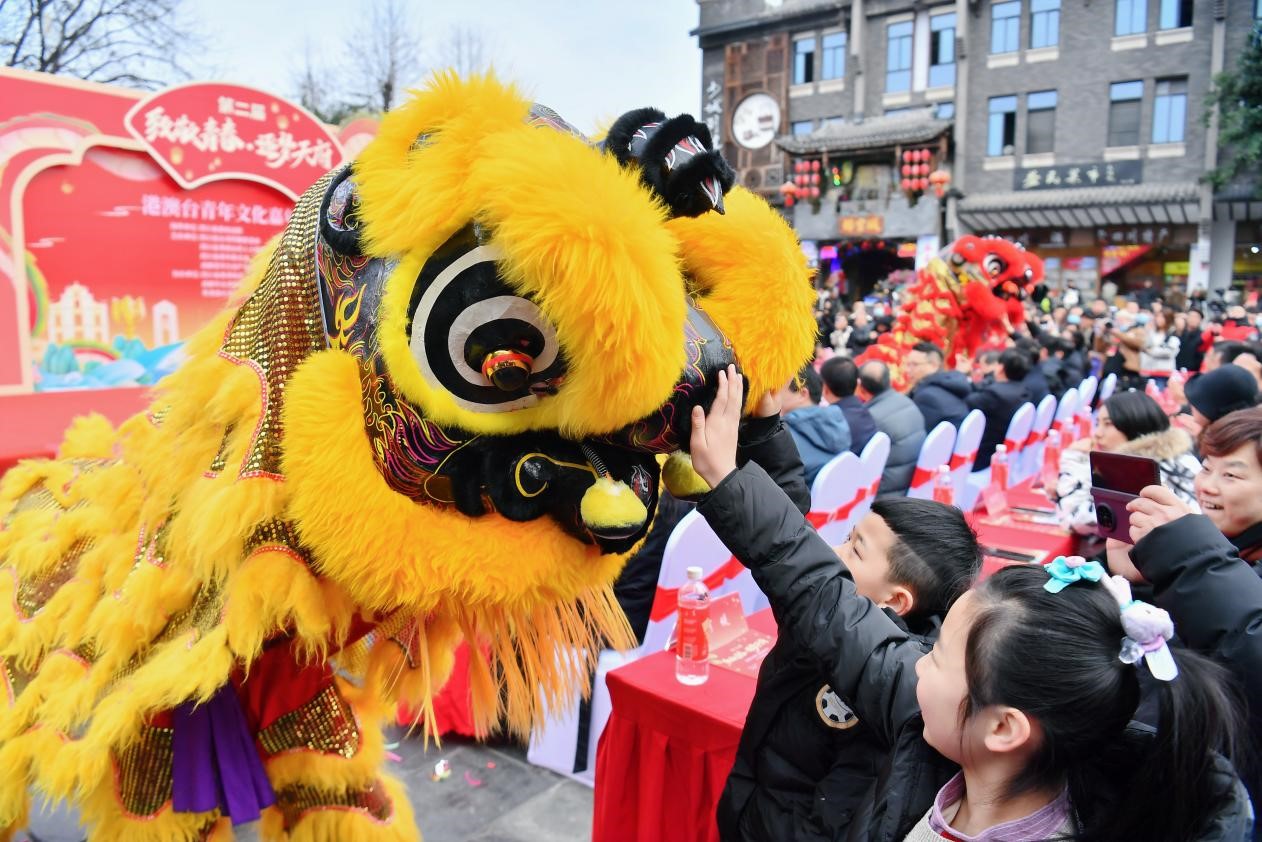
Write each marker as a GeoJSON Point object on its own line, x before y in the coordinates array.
{"type": "Point", "coordinates": [1035, 382]}
{"type": "Point", "coordinates": [1190, 354]}
{"type": "Point", "coordinates": [999, 401]}
{"type": "Point", "coordinates": [898, 417]}
{"type": "Point", "coordinates": [938, 394]}
{"type": "Point", "coordinates": [820, 432]}
{"type": "Point", "coordinates": [840, 377]}
{"type": "Point", "coordinates": [1214, 598]}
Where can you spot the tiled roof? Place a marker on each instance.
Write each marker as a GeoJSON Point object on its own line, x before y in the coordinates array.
{"type": "Point", "coordinates": [1119, 194]}
{"type": "Point", "coordinates": [873, 133]}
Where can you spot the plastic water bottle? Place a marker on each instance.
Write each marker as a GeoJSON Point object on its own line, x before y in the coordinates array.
{"type": "Point", "coordinates": [943, 488]}
{"type": "Point", "coordinates": [996, 495]}
{"type": "Point", "coordinates": [692, 649]}
{"type": "Point", "coordinates": [1051, 460]}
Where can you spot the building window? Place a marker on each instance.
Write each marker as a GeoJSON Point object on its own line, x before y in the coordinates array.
{"type": "Point", "coordinates": [1044, 23]}
{"type": "Point", "coordinates": [1040, 122]}
{"type": "Point", "coordinates": [942, 50]}
{"type": "Point", "coordinates": [890, 112]}
{"type": "Point", "coordinates": [1005, 27]}
{"type": "Point", "coordinates": [834, 66]}
{"type": "Point", "coordinates": [804, 60]}
{"type": "Point", "coordinates": [834, 121]}
{"type": "Point", "coordinates": [945, 111]}
{"type": "Point", "coordinates": [1175, 14]}
{"type": "Point", "coordinates": [1131, 17]}
{"type": "Point", "coordinates": [898, 57]}
{"type": "Point", "coordinates": [1125, 99]}
{"type": "Point", "coordinates": [1169, 111]}
{"type": "Point", "coordinates": [801, 127]}
{"type": "Point", "coordinates": [1002, 131]}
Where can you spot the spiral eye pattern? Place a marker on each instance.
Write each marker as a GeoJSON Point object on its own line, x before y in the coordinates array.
{"type": "Point", "coordinates": [994, 265]}
{"type": "Point", "coordinates": [471, 335]}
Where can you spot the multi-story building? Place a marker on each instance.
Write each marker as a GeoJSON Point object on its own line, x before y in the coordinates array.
{"type": "Point", "coordinates": [1074, 126]}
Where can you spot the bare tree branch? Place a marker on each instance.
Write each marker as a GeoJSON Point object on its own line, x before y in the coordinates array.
{"type": "Point", "coordinates": [384, 56]}
{"type": "Point", "coordinates": [464, 50]}
{"type": "Point", "coordinates": [137, 41]}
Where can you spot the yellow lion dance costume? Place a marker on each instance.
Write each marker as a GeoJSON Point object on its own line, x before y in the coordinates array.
{"type": "Point", "coordinates": [432, 413]}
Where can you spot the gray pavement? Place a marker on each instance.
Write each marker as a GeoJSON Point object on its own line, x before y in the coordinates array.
{"type": "Point", "coordinates": [492, 795]}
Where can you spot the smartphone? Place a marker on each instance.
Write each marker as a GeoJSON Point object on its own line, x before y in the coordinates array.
{"type": "Point", "coordinates": [1116, 479]}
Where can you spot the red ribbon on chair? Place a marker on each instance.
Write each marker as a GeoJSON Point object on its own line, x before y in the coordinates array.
{"type": "Point", "coordinates": [666, 601]}
{"type": "Point", "coordinates": [1035, 437]}
{"type": "Point", "coordinates": [922, 476]}
{"type": "Point", "coordinates": [818, 519]}
{"type": "Point", "coordinates": [1012, 446]}
{"type": "Point", "coordinates": [959, 460]}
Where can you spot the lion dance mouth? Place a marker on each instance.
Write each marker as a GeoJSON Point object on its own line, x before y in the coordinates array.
{"type": "Point", "coordinates": [435, 412]}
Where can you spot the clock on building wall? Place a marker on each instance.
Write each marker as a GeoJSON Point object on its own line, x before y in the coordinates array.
{"type": "Point", "coordinates": [756, 121]}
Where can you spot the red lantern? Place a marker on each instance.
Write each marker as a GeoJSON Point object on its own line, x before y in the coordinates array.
{"type": "Point", "coordinates": [815, 166]}
{"type": "Point", "coordinates": [907, 155]}
{"type": "Point", "coordinates": [924, 169]}
{"type": "Point", "coordinates": [814, 178]}
{"type": "Point", "coordinates": [922, 184]}
{"type": "Point", "coordinates": [905, 184]}
{"type": "Point", "coordinates": [924, 154]}
{"type": "Point", "coordinates": [906, 169]}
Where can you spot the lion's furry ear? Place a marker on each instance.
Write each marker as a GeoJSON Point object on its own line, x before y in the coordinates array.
{"type": "Point", "coordinates": [414, 175]}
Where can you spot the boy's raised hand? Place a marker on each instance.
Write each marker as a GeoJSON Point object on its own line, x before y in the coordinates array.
{"type": "Point", "coordinates": [714, 435]}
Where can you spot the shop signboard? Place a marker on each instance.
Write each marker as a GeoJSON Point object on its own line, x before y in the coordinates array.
{"type": "Point", "coordinates": [1063, 176]}
{"type": "Point", "coordinates": [866, 225]}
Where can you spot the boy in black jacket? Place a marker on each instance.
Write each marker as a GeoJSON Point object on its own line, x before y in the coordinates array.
{"type": "Point", "coordinates": [806, 764]}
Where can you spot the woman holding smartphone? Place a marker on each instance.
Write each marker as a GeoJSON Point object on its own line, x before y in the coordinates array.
{"type": "Point", "coordinates": [1130, 423]}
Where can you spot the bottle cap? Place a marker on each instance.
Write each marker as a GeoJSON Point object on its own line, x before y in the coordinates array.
{"type": "Point", "coordinates": [1001, 448]}
{"type": "Point", "coordinates": [944, 469]}
{"type": "Point", "coordinates": [694, 573]}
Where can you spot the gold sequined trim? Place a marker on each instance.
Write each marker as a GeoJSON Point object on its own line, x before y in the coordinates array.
{"type": "Point", "coordinates": [142, 773]}
{"type": "Point", "coordinates": [275, 532]}
{"type": "Point", "coordinates": [221, 458]}
{"type": "Point", "coordinates": [326, 724]}
{"type": "Point", "coordinates": [34, 591]}
{"type": "Point", "coordinates": [278, 327]}
{"type": "Point", "coordinates": [15, 680]}
{"type": "Point", "coordinates": [34, 499]}
{"type": "Point", "coordinates": [296, 801]}
{"type": "Point", "coordinates": [151, 546]}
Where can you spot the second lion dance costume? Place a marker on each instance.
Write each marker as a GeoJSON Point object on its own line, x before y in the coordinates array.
{"type": "Point", "coordinates": [433, 413]}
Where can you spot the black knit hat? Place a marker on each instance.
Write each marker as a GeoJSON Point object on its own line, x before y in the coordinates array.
{"type": "Point", "coordinates": [1223, 390]}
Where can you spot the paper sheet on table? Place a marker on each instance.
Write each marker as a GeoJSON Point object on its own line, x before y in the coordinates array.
{"type": "Point", "coordinates": [733, 645]}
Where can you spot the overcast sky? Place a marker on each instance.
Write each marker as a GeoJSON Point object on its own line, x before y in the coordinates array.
{"type": "Point", "coordinates": [590, 61]}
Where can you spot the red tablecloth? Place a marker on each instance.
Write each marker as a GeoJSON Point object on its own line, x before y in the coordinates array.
{"type": "Point", "coordinates": [668, 748]}
{"type": "Point", "coordinates": [1007, 533]}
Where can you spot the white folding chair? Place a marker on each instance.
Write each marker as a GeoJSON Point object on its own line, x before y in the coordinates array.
{"type": "Point", "coordinates": [966, 444]}
{"type": "Point", "coordinates": [1032, 451]}
{"type": "Point", "coordinates": [837, 491]}
{"type": "Point", "coordinates": [874, 456]}
{"type": "Point", "coordinates": [1107, 387]}
{"type": "Point", "coordinates": [1086, 393]}
{"type": "Point", "coordinates": [934, 453]}
{"type": "Point", "coordinates": [1018, 429]}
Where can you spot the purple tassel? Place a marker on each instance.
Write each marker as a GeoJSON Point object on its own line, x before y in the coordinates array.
{"type": "Point", "coordinates": [215, 765]}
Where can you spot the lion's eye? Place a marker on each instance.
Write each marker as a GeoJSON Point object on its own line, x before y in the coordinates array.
{"type": "Point", "coordinates": [473, 336]}
{"type": "Point", "coordinates": [994, 265]}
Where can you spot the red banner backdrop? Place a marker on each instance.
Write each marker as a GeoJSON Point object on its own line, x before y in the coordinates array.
{"type": "Point", "coordinates": [126, 220]}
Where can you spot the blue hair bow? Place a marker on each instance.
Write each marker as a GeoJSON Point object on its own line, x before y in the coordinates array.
{"type": "Point", "coordinates": [1064, 571]}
